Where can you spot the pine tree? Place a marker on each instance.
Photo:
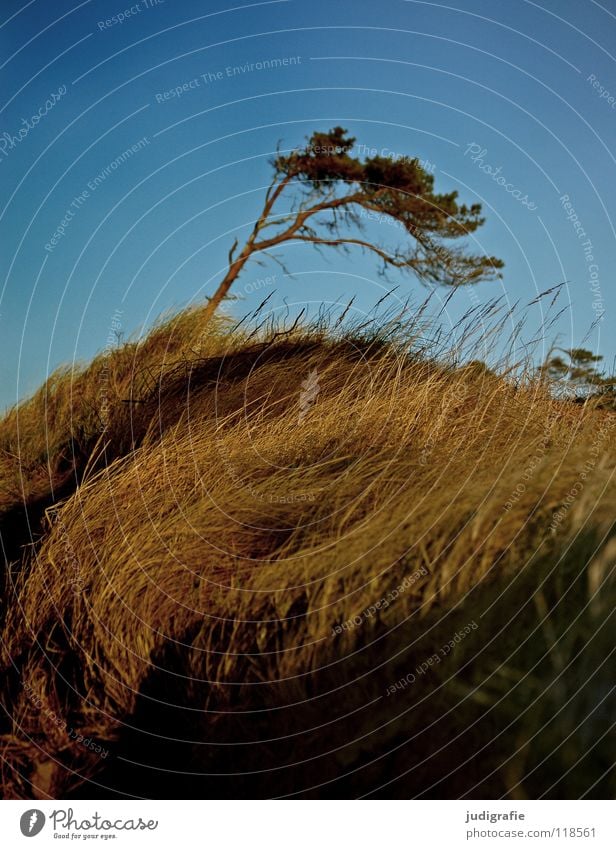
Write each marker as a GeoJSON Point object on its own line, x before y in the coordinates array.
{"type": "Point", "coordinates": [333, 195]}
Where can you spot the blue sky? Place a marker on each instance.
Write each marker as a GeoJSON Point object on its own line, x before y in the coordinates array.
{"type": "Point", "coordinates": [527, 88]}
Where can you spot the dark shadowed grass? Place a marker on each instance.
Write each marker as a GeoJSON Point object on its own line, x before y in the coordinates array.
{"type": "Point", "coordinates": [194, 574]}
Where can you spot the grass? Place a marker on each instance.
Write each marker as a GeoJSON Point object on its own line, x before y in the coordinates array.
{"type": "Point", "coordinates": [198, 529]}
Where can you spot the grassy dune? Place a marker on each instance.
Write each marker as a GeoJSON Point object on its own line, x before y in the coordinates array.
{"type": "Point", "coordinates": [319, 563]}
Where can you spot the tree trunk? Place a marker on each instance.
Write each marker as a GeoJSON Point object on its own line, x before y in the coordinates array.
{"type": "Point", "coordinates": [230, 277]}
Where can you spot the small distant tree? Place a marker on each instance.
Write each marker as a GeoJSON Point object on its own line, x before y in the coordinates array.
{"type": "Point", "coordinates": [333, 193]}
{"type": "Point", "coordinates": [577, 373]}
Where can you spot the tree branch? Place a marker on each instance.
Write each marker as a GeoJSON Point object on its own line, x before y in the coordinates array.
{"type": "Point", "coordinates": [390, 259]}
{"type": "Point", "coordinates": [302, 217]}
{"type": "Point", "coordinates": [270, 199]}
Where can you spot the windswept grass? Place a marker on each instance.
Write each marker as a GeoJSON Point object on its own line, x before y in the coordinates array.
{"type": "Point", "coordinates": [194, 577]}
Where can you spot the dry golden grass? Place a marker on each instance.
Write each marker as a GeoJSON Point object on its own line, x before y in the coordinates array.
{"type": "Point", "coordinates": [184, 599]}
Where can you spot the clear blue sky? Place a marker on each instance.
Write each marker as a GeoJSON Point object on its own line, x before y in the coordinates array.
{"type": "Point", "coordinates": [416, 78]}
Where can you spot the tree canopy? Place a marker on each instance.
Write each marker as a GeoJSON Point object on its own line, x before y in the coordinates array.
{"type": "Point", "coordinates": [578, 375]}
{"type": "Point", "coordinates": [332, 196]}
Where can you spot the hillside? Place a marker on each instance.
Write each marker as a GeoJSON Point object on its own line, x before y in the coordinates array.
{"type": "Point", "coordinates": [316, 563]}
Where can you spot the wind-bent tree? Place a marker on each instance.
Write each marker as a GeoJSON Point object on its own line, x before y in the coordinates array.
{"type": "Point", "coordinates": [578, 370]}
{"type": "Point", "coordinates": [579, 376]}
{"type": "Point", "coordinates": [334, 194]}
